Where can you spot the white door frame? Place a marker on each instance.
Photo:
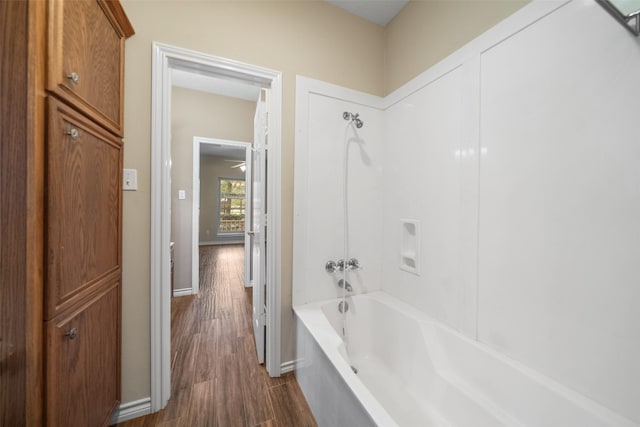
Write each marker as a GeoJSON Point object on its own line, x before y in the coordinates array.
{"type": "Point", "coordinates": [195, 238]}
{"type": "Point", "coordinates": [164, 58]}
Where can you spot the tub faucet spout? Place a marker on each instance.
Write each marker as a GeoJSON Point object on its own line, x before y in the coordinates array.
{"type": "Point", "coordinates": [346, 285]}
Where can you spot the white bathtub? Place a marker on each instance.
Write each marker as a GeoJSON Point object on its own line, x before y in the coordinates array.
{"type": "Point", "coordinates": [413, 371]}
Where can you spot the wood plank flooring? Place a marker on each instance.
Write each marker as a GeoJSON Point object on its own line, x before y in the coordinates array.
{"type": "Point", "coordinates": [216, 380]}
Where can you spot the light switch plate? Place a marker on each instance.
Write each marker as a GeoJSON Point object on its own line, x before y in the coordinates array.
{"type": "Point", "coordinates": [182, 195]}
{"type": "Point", "coordinates": [130, 180]}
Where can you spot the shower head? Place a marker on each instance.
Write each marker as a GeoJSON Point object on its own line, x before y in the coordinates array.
{"type": "Point", "coordinates": [355, 118]}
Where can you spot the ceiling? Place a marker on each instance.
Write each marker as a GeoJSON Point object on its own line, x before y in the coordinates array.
{"type": "Point", "coordinates": [217, 150]}
{"type": "Point", "coordinates": [207, 83]}
{"type": "Point", "coordinates": [379, 11]}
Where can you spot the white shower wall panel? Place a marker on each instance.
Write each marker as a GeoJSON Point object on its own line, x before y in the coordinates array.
{"type": "Point", "coordinates": [559, 226]}
{"type": "Point", "coordinates": [426, 153]}
{"type": "Point", "coordinates": [329, 135]}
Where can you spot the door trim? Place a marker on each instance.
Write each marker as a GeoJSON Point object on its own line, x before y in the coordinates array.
{"type": "Point", "coordinates": [164, 58]}
{"type": "Point", "coordinates": [195, 224]}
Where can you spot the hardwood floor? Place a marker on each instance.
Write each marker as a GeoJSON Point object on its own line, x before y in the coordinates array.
{"type": "Point", "coordinates": [215, 376]}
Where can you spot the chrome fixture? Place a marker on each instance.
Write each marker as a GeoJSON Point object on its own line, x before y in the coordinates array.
{"type": "Point", "coordinates": [353, 264]}
{"type": "Point", "coordinates": [331, 267]}
{"type": "Point", "coordinates": [626, 12]}
{"type": "Point", "coordinates": [341, 265]}
{"type": "Point", "coordinates": [346, 285]}
{"type": "Point", "coordinates": [343, 306]}
{"type": "Point", "coordinates": [354, 118]}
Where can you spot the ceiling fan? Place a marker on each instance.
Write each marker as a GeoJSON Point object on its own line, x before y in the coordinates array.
{"type": "Point", "coordinates": [239, 164]}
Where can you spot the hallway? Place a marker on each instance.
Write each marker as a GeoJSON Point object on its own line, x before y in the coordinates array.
{"type": "Point", "coordinates": [216, 379]}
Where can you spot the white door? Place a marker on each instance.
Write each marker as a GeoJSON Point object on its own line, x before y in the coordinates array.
{"type": "Point", "coordinates": [258, 220]}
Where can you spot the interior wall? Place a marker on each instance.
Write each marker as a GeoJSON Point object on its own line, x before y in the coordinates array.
{"type": "Point", "coordinates": [195, 113]}
{"type": "Point", "coordinates": [308, 38]}
{"type": "Point", "coordinates": [425, 32]}
{"type": "Point", "coordinates": [212, 168]}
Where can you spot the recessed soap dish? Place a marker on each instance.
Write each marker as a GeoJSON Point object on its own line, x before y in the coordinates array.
{"type": "Point", "coordinates": [410, 246]}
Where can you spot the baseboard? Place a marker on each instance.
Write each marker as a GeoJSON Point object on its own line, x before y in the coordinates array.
{"type": "Point", "coordinates": [219, 243]}
{"type": "Point", "coordinates": [182, 292]}
{"type": "Point", "coordinates": [286, 367]}
{"type": "Point", "coordinates": [130, 410]}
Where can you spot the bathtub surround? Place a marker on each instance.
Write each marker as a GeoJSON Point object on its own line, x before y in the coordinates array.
{"type": "Point", "coordinates": [516, 157]}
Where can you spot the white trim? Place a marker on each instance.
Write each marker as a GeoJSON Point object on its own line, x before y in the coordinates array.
{"type": "Point", "coordinates": [165, 57]}
{"type": "Point", "coordinates": [160, 228]}
{"type": "Point", "coordinates": [274, 228]}
{"type": "Point", "coordinates": [288, 366]}
{"type": "Point", "coordinates": [218, 242]}
{"type": "Point", "coordinates": [183, 292]}
{"type": "Point", "coordinates": [195, 223]}
{"type": "Point", "coordinates": [130, 410]}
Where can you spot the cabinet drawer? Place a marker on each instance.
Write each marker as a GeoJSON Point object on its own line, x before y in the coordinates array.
{"type": "Point", "coordinates": [82, 363]}
{"type": "Point", "coordinates": [83, 202]}
{"type": "Point", "coordinates": [86, 59]}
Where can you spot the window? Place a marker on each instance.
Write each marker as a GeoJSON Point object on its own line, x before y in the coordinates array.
{"type": "Point", "coordinates": [232, 203]}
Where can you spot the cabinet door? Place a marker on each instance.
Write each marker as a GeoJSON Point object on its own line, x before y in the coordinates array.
{"type": "Point", "coordinates": [86, 58]}
{"type": "Point", "coordinates": [83, 200]}
{"type": "Point", "coordinates": [83, 363]}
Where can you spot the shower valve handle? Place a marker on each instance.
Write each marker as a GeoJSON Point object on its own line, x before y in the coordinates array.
{"type": "Point", "coordinates": [333, 266]}
{"type": "Point", "coordinates": [353, 264]}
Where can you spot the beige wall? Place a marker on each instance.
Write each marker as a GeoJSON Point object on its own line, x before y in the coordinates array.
{"type": "Point", "coordinates": [203, 114]}
{"type": "Point", "coordinates": [306, 37]}
{"type": "Point", "coordinates": [425, 32]}
{"type": "Point", "coordinates": [211, 170]}
{"type": "Point", "coordinates": [310, 38]}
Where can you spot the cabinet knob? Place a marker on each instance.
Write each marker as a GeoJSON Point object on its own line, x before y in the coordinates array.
{"type": "Point", "coordinates": [72, 334]}
{"type": "Point", "coordinates": [73, 77]}
{"type": "Point", "coordinates": [73, 133]}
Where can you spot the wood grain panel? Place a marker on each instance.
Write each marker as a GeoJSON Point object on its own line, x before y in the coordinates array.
{"type": "Point", "coordinates": [83, 208]}
{"type": "Point", "coordinates": [255, 393]}
{"type": "Point", "coordinates": [83, 373]}
{"type": "Point", "coordinates": [86, 39]}
{"type": "Point", "coordinates": [201, 412]}
{"type": "Point", "coordinates": [287, 407]}
{"type": "Point", "coordinates": [13, 172]}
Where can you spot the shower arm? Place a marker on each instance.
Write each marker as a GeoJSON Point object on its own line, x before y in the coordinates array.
{"type": "Point", "coordinates": [630, 21]}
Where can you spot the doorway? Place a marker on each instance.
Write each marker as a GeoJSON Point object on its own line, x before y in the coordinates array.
{"type": "Point", "coordinates": [225, 218]}
{"type": "Point", "coordinates": [165, 59]}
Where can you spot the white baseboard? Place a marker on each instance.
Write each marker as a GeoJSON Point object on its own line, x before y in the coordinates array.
{"type": "Point", "coordinates": [130, 410]}
{"type": "Point", "coordinates": [286, 367]}
{"type": "Point", "coordinates": [221, 242]}
{"type": "Point", "coordinates": [182, 292]}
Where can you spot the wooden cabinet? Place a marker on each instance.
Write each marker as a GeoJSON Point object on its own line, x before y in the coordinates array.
{"type": "Point", "coordinates": [83, 362]}
{"type": "Point", "coordinates": [83, 201]}
{"type": "Point", "coordinates": [86, 58]}
{"type": "Point", "coordinates": [61, 94]}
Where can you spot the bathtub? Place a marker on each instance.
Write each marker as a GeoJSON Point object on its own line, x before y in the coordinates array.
{"type": "Point", "coordinates": [413, 371]}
